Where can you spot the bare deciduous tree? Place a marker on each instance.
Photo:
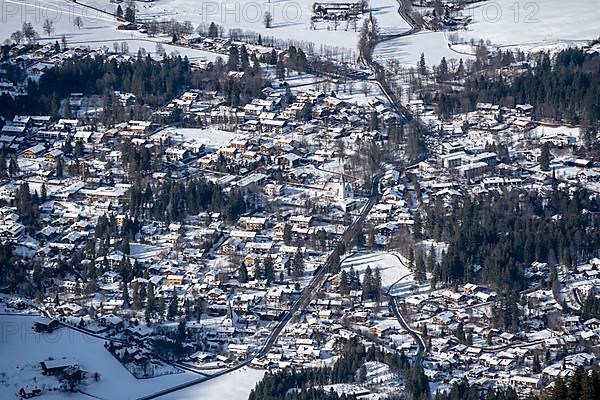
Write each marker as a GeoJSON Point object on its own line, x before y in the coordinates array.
{"type": "Point", "coordinates": [78, 22]}
{"type": "Point", "coordinates": [160, 49]}
{"type": "Point", "coordinates": [17, 37]}
{"type": "Point", "coordinates": [268, 19]}
{"type": "Point", "coordinates": [48, 26]}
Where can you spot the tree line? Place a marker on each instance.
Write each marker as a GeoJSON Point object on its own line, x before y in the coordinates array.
{"type": "Point", "coordinates": [349, 367]}
{"type": "Point", "coordinates": [153, 82]}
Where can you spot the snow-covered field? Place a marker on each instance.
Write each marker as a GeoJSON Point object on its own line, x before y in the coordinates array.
{"type": "Point", "coordinates": [23, 350]}
{"type": "Point", "coordinates": [233, 386]}
{"type": "Point", "coordinates": [213, 139]}
{"type": "Point", "coordinates": [532, 26]}
{"type": "Point", "coordinates": [510, 23]}
{"type": "Point", "coordinates": [546, 131]}
{"type": "Point", "coordinates": [140, 251]}
{"type": "Point", "coordinates": [541, 25]}
{"type": "Point", "coordinates": [407, 49]}
{"type": "Point", "coordinates": [391, 267]}
{"type": "Point", "coordinates": [291, 18]}
{"type": "Point", "coordinates": [291, 21]}
{"type": "Point", "coordinates": [388, 19]}
{"type": "Point", "coordinates": [96, 26]}
{"type": "Point", "coordinates": [98, 29]}
{"type": "Point", "coordinates": [361, 93]}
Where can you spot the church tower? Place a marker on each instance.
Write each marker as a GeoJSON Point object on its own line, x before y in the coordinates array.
{"type": "Point", "coordinates": [345, 192]}
{"type": "Point", "coordinates": [371, 27]}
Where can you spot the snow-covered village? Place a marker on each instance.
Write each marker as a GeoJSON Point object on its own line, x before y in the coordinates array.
{"type": "Point", "coordinates": [385, 199]}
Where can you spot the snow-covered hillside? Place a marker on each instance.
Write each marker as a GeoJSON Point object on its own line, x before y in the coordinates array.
{"type": "Point", "coordinates": [98, 29]}
{"type": "Point", "coordinates": [233, 386]}
{"type": "Point", "coordinates": [540, 25]}
{"type": "Point", "coordinates": [510, 23]}
{"type": "Point", "coordinates": [23, 350]}
{"type": "Point", "coordinates": [291, 18]}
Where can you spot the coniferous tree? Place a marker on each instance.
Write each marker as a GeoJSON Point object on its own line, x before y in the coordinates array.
{"type": "Point", "coordinates": [137, 298]}
{"type": "Point", "coordinates": [280, 70]}
{"type": "Point", "coordinates": [422, 65]}
{"type": "Point", "coordinates": [298, 265]}
{"type": "Point", "coordinates": [125, 294]}
{"type": "Point", "coordinates": [344, 284]}
{"type": "Point", "coordinates": [420, 275]}
{"type": "Point", "coordinates": [130, 13]}
{"type": "Point", "coordinates": [376, 290]}
{"type": "Point", "coordinates": [173, 309]}
{"type": "Point", "coordinates": [243, 274]}
{"type": "Point", "coordinates": [269, 269]}
{"type": "Point", "coordinates": [287, 234]}
{"type": "Point", "coordinates": [150, 302]}
{"type": "Point", "coordinates": [3, 168]}
{"type": "Point", "coordinates": [233, 61]}
{"type": "Point", "coordinates": [545, 157]}
{"type": "Point", "coordinates": [367, 283]}
{"type": "Point", "coordinates": [431, 259]}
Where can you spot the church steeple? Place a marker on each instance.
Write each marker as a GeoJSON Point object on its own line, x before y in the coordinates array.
{"type": "Point", "coordinates": [342, 189]}
{"type": "Point", "coordinates": [371, 25]}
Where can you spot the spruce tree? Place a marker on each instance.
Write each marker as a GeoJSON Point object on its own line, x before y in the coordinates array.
{"type": "Point", "coordinates": [545, 157]}
{"type": "Point", "coordinates": [269, 269]}
{"type": "Point", "coordinates": [173, 307]}
{"type": "Point", "coordinates": [344, 284]}
{"type": "Point", "coordinates": [125, 293]}
{"type": "Point", "coordinates": [243, 274]}
{"type": "Point", "coordinates": [420, 275]}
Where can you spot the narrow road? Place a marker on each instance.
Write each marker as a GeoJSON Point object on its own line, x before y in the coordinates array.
{"type": "Point", "coordinates": [421, 345]}
{"type": "Point", "coordinates": [308, 294]}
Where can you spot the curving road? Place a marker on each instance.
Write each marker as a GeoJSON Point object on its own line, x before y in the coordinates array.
{"type": "Point", "coordinates": [414, 27]}
{"type": "Point", "coordinates": [421, 345]}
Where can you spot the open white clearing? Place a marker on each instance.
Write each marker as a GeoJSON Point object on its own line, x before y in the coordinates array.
{"type": "Point", "coordinates": [531, 26]}
{"type": "Point", "coordinates": [233, 386]}
{"type": "Point", "coordinates": [390, 266]}
{"type": "Point", "coordinates": [291, 19]}
{"type": "Point", "coordinates": [407, 49]}
{"type": "Point", "coordinates": [212, 138]}
{"type": "Point", "coordinates": [96, 26]}
{"type": "Point", "coordinates": [510, 23]}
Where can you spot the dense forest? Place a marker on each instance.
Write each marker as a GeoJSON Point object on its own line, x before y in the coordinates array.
{"type": "Point", "coordinates": [563, 88]}
{"type": "Point", "coordinates": [153, 82]}
{"type": "Point", "coordinates": [505, 233]}
{"type": "Point", "coordinates": [173, 201]}
{"type": "Point", "coordinates": [300, 384]}
{"type": "Point", "coordinates": [580, 386]}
